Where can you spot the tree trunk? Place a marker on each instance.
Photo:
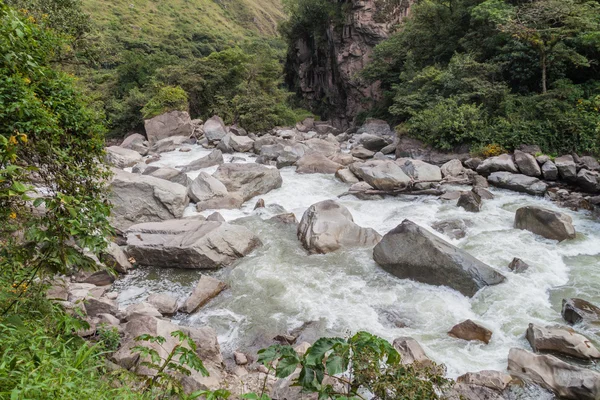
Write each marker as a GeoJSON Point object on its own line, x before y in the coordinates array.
{"type": "Point", "coordinates": [544, 67]}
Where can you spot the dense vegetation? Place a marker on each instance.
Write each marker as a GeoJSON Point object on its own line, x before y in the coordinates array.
{"type": "Point", "coordinates": [480, 72]}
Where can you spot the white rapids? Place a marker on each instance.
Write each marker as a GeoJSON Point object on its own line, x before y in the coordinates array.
{"type": "Point", "coordinates": [279, 286]}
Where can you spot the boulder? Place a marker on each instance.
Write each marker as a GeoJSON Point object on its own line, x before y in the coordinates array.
{"type": "Point", "coordinates": [567, 169]}
{"type": "Point", "coordinates": [206, 187]}
{"type": "Point", "coordinates": [561, 340]}
{"type": "Point", "coordinates": [576, 310]}
{"type": "Point", "coordinates": [411, 351]}
{"type": "Point", "coordinates": [483, 193]}
{"type": "Point", "coordinates": [362, 153]}
{"type": "Point", "coordinates": [121, 157]}
{"type": "Point", "coordinates": [547, 223]}
{"type": "Point", "coordinates": [473, 163]}
{"type": "Point", "coordinates": [527, 164]}
{"type": "Point", "coordinates": [225, 144]}
{"type": "Point", "coordinates": [170, 144]}
{"type": "Point", "coordinates": [566, 380]}
{"type": "Point", "coordinates": [136, 142]}
{"type": "Point", "coordinates": [479, 181]}
{"type": "Point", "coordinates": [518, 183]}
{"type": "Point", "coordinates": [189, 243]}
{"type": "Point", "coordinates": [376, 127]}
{"type": "Point", "coordinates": [453, 169]}
{"type": "Point", "coordinates": [58, 290]}
{"type": "Point", "coordinates": [97, 278]}
{"type": "Point", "coordinates": [214, 129]}
{"type": "Point", "coordinates": [342, 158]}
{"type": "Point", "coordinates": [164, 303]}
{"type": "Point", "coordinates": [94, 306]}
{"type": "Point", "coordinates": [453, 228]}
{"type": "Point", "coordinates": [316, 163]}
{"type": "Point", "coordinates": [411, 252]}
{"type": "Point", "coordinates": [549, 171]}
{"type": "Point", "coordinates": [469, 330]}
{"type": "Point", "coordinates": [328, 226]}
{"type": "Point", "coordinates": [141, 309]}
{"type": "Point", "coordinates": [248, 180]}
{"type": "Point", "coordinates": [517, 265]}
{"type": "Point", "coordinates": [502, 162]}
{"type": "Point", "coordinates": [215, 217]}
{"type": "Point", "coordinates": [174, 123]}
{"type": "Point", "coordinates": [139, 198]}
{"type": "Point", "coordinates": [372, 142]}
{"type": "Point", "coordinates": [346, 176]}
{"type": "Point", "coordinates": [323, 147]}
{"type": "Point", "coordinates": [206, 289]}
{"type": "Point", "coordinates": [451, 195]}
{"type": "Point", "coordinates": [588, 180]}
{"type": "Point", "coordinates": [420, 170]}
{"type": "Point", "coordinates": [383, 175]}
{"type": "Point", "coordinates": [470, 201]}
{"type": "Point", "coordinates": [214, 158]}
{"type": "Point", "coordinates": [229, 201]}
{"type": "Point", "coordinates": [495, 380]}
{"type": "Point", "coordinates": [115, 258]}
{"type": "Point", "coordinates": [168, 174]}
{"type": "Point", "coordinates": [589, 162]}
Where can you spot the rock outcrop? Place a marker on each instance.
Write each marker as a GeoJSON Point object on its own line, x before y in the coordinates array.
{"type": "Point", "coordinates": [174, 123]}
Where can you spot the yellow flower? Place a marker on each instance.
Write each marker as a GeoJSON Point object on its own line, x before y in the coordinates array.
{"type": "Point", "coordinates": [23, 137]}
{"type": "Point", "coordinates": [13, 215]}
{"type": "Point", "coordinates": [27, 80]}
{"type": "Point", "coordinates": [12, 139]}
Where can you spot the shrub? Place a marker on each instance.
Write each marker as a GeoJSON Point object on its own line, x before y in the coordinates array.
{"type": "Point", "coordinates": [168, 98]}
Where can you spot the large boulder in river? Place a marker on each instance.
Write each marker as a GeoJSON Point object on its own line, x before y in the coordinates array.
{"type": "Point", "coordinates": [383, 175]}
{"type": "Point", "coordinates": [241, 144]}
{"type": "Point", "coordinates": [328, 226]}
{"type": "Point", "coordinates": [420, 170]}
{"type": "Point", "coordinates": [189, 243]}
{"type": "Point", "coordinates": [411, 252]}
{"type": "Point", "coordinates": [214, 129]}
{"type": "Point", "coordinates": [136, 142]}
{"type": "Point", "coordinates": [169, 174]}
{"type": "Point", "coordinates": [547, 223]}
{"type": "Point", "coordinates": [174, 123]}
{"type": "Point", "coordinates": [469, 330]}
{"type": "Point", "coordinates": [206, 289]}
{"type": "Point", "coordinates": [561, 340]}
{"type": "Point", "coordinates": [527, 164]}
{"type": "Point", "coordinates": [502, 162]}
{"type": "Point", "coordinates": [206, 187]}
{"type": "Point", "coordinates": [248, 180]}
{"type": "Point", "coordinates": [567, 169]}
{"type": "Point", "coordinates": [316, 163]}
{"type": "Point", "coordinates": [566, 380]}
{"type": "Point", "coordinates": [121, 157]}
{"type": "Point", "coordinates": [576, 310]}
{"type": "Point", "coordinates": [214, 158]}
{"type": "Point", "coordinates": [139, 198]}
{"type": "Point", "coordinates": [518, 183]}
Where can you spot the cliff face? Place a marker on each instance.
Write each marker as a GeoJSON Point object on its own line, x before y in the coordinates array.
{"type": "Point", "coordinates": [325, 72]}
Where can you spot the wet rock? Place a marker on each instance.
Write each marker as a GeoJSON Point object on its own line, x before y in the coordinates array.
{"type": "Point", "coordinates": [549, 171]}
{"type": "Point", "coordinates": [518, 183]}
{"type": "Point", "coordinates": [547, 223]}
{"type": "Point", "coordinates": [189, 243]}
{"type": "Point", "coordinates": [470, 201]}
{"type": "Point", "coordinates": [589, 181]}
{"type": "Point", "coordinates": [383, 175]}
{"type": "Point", "coordinates": [576, 310]}
{"type": "Point", "coordinates": [483, 193]}
{"type": "Point", "coordinates": [169, 174]}
{"type": "Point", "coordinates": [136, 142]}
{"type": "Point", "coordinates": [362, 153]}
{"type": "Point", "coordinates": [164, 303]}
{"type": "Point", "coordinates": [205, 290]}
{"type": "Point", "coordinates": [260, 203]}
{"type": "Point", "coordinates": [241, 144]}
{"type": "Point", "coordinates": [346, 176]}
{"type": "Point", "coordinates": [248, 180]}
{"type": "Point", "coordinates": [527, 164]}
{"type": "Point", "coordinates": [214, 158]}
{"type": "Point", "coordinates": [138, 198]}
{"type": "Point", "coordinates": [502, 162]}
{"type": "Point", "coordinates": [94, 306]}
{"type": "Point", "coordinates": [316, 163]}
{"type": "Point", "coordinates": [567, 169]}
{"type": "Point", "coordinates": [139, 309]}
{"type": "Point", "coordinates": [566, 380]}
{"type": "Point", "coordinates": [453, 228]}
{"type": "Point", "coordinates": [214, 129]}
{"type": "Point", "coordinates": [174, 123]}
{"type": "Point", "coordinates": [206, 187]}
{"type": "Point", "coordinates": [453, 169]}
{"type": "Point", "coordinates": [479, 181]}
{"type": "Point", "coordinates": [411, 252]}
{"type": "Point", "coordinates": [518, 266]}
{"type": "Point", "coordinates": [469, 330]}
{"type": "Point", "coordinates": [561, 340]}
{"type": "Point", "coordinates": [451, 195]}
{"type": "Point", "coordinates": [328, 226]}
{"type": "Point", "coordinates": [121, 157]}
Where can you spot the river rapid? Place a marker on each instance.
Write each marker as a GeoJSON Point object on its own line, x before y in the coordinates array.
{"type": "Point", "coordinates": [279, 286]}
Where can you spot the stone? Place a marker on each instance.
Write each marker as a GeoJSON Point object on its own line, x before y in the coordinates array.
{"type": "Point", "coordinates": [121, 157]}
{"type": "Point", "coordinates": [547, 223]}
{"type": "Point", "coordinates": [189, 243]}
{"type": "Point", "coordinates": [495, 380]}
{"type": "Point", "coordinates": [241, 144]}
{"type": "Point", "coordinates": [589, 181]}
{"type": "Point", "coordinates": [260, 203]}
{"type": "Point", "coordinates": [549, 171]}
{"type": "Point", "coordinates": [453, 169]}
{"type": "Point", "coordinates": [225, 144]}
{"type": "Point", "coordinates": [589, 162]}
{"type": "Point", "coordinates": [139, 168]}
{"type": "Point", "coordinates": [371, 142]}
{"type": "Point", "coordinates": [479, 181]}
{"type": "Point", "coordinates": [346, 176]}
{"type": "Point", "coordinates": [527, 164]}
{"type": "Point", "coordinates": [114, 257]}
{"type": "Point", "coordinates": [328, 226]}
{"type": "Point", "coordinates": [411, 352]}
{"type": "Point", "coordinates": [532, 149]}
{"type": "Point", "coordinates": [420, 170]}
{"type": "Point", "coordinates": [542, 159]}
{"type": "Point", "coordinates": [411, 252]}
{"type": "Point", "coordinates": [164, 303]}
{"type": "Point", "coordinates": [376, 127]}
{"type": "Point", "coordinates": [576, 310]}
{"type": "Point", "coordinates": [248, 180]}
{"type": "Point", "coordinates": [228, 202]}
{"type": "Point", "coordinates": [362, 153]}
{"type": "Point", "coordinates": [174, 123]}
{"type": "Point", "coordinates": [567, 169]}
{"type": "Point", "coordinates": [287, 218]}
{"type": "Point", "coordinates": [214, 158]}
{"type": "Point", "coordinates": [169, 144]}
{"type": "Point", "coordinates": [206, 187]}
{"type": "Point", "coordinates": [94, 306]}
{"type": "Point", "coordinates": [321, 146]}
{"type": "Point", "coordinates": [139, 198]}
{"type": "Point", "coordinates": [502, 162]}
{"type": "Point", "coordinates": [98, 278]}
{"type": "Point", "coordinates": [561, 340]}
{"type": "Point", "coordinates": [215, 217]}
{"type": "Point", "coordinates": [139, 309]}
{"type": "Point", "coordinates": [451, 195]}
{"type": "Point", "coordinates": [58, 290]}
{"type": "Point", "coordinates": [214, 129]}
{"type": "Point", "coordinates": [518, 266]}
{"type": "Point", "coordinates": [483, 193]}
{"type": "Point", "coordinates": [470, 201]}
{"type": "Point", "coordinates": [518, 183]}
{"type": "Point", "coordinates": [566, 380]}
{"type": "Point", "coordinates": [84, 291]}
{"type": "Point", "coordinates": [205, 290]}
{"type": "Point", "coordinates": [240, 358]}
{"type": "Point", "coordinates": [383, 175]}
{"type": "Point", "coordinates": [342, 158]}
{"type": "Point", "coordinates": [473, 163]}
{"type": "Point", "coordinates": [110, 321]}
{"type": "Point", "coordinates": [136, 142]}
{"type": "Point", "coordinates": [316, 163]}
{"type": "Point", "coordinates": [469, 330]}
{"type": "Point", "coordinates": [453, 228]}
{"type": "Point", "coordinates": [169, 174]}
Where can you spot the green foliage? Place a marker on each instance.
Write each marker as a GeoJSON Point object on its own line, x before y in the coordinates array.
{"type": "Point", "coordinates": [338, 368]}
{"type": "Point", "coordinates": [168, 98]}
{"type": "Point", "coordinates": [108, 337]}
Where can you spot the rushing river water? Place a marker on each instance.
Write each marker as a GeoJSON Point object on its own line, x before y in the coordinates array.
{"type": "Point", "coordinates": [279, 286]}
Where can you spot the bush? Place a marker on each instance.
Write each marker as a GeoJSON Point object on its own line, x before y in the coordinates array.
{"type": "Point", "coordinates": [168, 98]}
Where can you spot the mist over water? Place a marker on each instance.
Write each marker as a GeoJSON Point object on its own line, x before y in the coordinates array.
{"type": "Point", "coordinates": [279, 286]}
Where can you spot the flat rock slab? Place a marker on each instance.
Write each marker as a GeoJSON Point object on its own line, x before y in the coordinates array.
{"type": "Point", "coordinates": [518, 183]}
{"type": "Point", "coordinates": [248, 180]}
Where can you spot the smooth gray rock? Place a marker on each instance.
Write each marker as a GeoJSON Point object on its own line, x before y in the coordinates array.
{"type": "Point", "coordinates": [136, 142]}
{"type": "Point", "coordinates": [453, 169]}
{"type": "Point", "coordinates": [241, 144]}
{"type": "Point", "coordinates": [206, 187]}
{"type": "Point", "coordinates": [164, 303]}
{"type": "Point", "coordinates": [549, 171]}
{"type": "Point", "coordinates": [248, 180]}
{"type": "Point", "coordinates": [420, 170]}
{"type": "Point", "coordinates": [316, 163]}
{"type": "Point", "coordinates": [469, 330]}
{"type": "Point", "coordinates": [547, 223]}
{"type": "Point", "coordinates": [567, 169]}
{"type": "Point", "coordinates": [589, 162]}
{"type": "Point", "coordinates": [169, 174]}
{"type": "Point", "coordinates": [588, 180]}
{"type": "Point", "coordinates": [214, 129]}
{"type": "Point", "coordinates": [171, 143]}
{"type": "Point", "coordinates": [518, 183]}
{"type": "Point", "coordinates": [470, 201]}
{"type": "Point", "coordinates": [517, 265]}
{"type": "Point", "coordinates": [206, 289]}
{"type": "Point", "coordinates": [362, 153]}
{"type": "Point", "coordinates": [453, 228]}
{"type": "Point", "coordinates": [527, 164]}
{"type": "Point", "coordinates": [576, 310]}
{"type": "Point", "coordinates": [411, 252]}
{"type": "Point", "coordinates": [372, 142]}
{"type": "Point", "coordinates": [174, 123]}
{"type": "Point", "coordinates": [383, 175]}
{"type": "Point", "coordinates": [121, 157]}
{"type": "Point", "coordinates": [115, 258]}
{"type": "Point", "coordinates": [561, 340]}
{"type": "Point", "coordinates": [346, 176]}
{"type": "Point", "coordinates": [502, 162]}
{"type": "Point", "coordinates": [214, 158]}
